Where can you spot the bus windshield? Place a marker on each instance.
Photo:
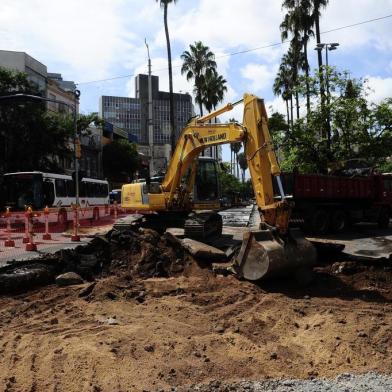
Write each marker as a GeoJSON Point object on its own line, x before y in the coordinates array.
{"type": "Point", "coordinates": [22, 189]}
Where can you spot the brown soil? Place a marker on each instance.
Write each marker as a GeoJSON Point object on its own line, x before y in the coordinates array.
{"type": "Point", "coordinates": [125, 333]}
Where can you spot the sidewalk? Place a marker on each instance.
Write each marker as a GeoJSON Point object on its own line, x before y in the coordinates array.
{"type": "Point", "coordinates": [60, 240]}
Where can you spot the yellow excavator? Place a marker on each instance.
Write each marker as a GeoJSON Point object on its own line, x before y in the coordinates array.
{"type": "Point", "coordinates": [272, 250]}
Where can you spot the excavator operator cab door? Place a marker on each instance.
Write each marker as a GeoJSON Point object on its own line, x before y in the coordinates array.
{"type": "Point", "coordinates": [206, 191]}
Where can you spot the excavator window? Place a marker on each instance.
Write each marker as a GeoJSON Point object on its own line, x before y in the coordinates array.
{"type": "Point", "coordinates": [206, 181]}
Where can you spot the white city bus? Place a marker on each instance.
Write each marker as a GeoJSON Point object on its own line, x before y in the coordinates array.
{"type": "Point", "coordinates": [57, 192]}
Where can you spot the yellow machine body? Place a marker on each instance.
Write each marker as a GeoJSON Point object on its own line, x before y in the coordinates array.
{"type": "Point", "coordinates": [175, 193]}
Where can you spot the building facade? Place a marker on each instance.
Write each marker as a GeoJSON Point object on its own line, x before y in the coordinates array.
{"type": "Point", "coordinates": [52, 86]}
{"type": "Point", "coordinates": [130, 115]}
{"type": "Point", "coordinates": [37, 72]}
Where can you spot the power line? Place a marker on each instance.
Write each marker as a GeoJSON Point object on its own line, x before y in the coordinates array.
{"type": "Point", "coordinates": [244, 51]}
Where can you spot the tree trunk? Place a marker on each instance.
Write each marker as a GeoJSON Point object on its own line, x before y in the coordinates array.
{"type": "Point", "coordinates": [297, 103]}
{"type": "Point", "coordinates": [318, 39]}
{"type": "Point", "coordinates": [231, 161]}
{"type": "Point", "coordinates": [201, 108]}
{"type": "Point", "coordinates": [238, 167]}
{"type": "Point", "coordinates": [320, 64]}
{"type": "Point", "coordinates": [307, 76]}
{"type": "Point", "coordinates": [171, 96]}
{"type": "Point", "coordinates": [288, 114]}
{"type": "Point", "coordinates": [291, 111]}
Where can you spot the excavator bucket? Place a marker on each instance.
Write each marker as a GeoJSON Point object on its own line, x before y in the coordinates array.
{"type": "Point", "coordinates": [264, 254]}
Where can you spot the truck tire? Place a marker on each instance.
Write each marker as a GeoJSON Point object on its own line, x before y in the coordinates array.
{"type": "Point", "coordinates": [338, 221]}
{"type": "Point", "coordinates": [383, 218]}
{"type": "Point", "coordinates": [320, 221]}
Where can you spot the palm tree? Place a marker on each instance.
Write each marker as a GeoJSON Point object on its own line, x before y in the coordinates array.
{"type": "Point", "coordinates": [298, 22]}
{"type": "Point", "coordinates": [236, 147]}
{"type": "Point", "coordinates": [317, 6]}
{"type": "Point", "coordinates": [213, 92]}
{"type": "Point", "coordinates": [164, 4]}
{"type": "Point", "coordinates": [198, 64]}
{"type": "Point", "coordinates": [243, 164]}
{"type": "Point", "coordinates": [283, 86]}
{"type": "Point", "coordinates": [231, 149]}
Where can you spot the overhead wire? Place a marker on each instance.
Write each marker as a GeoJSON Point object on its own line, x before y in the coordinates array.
{"type": "Point", "coordinates": [243, 51]}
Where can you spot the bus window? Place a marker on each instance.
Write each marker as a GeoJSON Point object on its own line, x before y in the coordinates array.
{"type": "Point", "coordinates": [70, 188]}
{"type": "Point", "coordinates": [82, 189]}
{"type": "Point", "coordinates": [61, 190]}
{"type": "Point", "coordinates": [48, 193]}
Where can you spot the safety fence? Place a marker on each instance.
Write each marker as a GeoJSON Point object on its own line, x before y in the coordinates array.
{"type": "Point", "coordinates": [50, 229]}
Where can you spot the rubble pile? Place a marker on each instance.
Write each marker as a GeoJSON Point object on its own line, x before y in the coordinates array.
{"type": "Point", "coordinates": [132, 254]}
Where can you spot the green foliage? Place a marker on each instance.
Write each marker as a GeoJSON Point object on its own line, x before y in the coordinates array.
{"type": "Point", "coordinates": [120, 160]}
{"type": "Point", "coordinates": [30, 137]}
{"type": "Point", "coordinates": [358, 129]}
{"type": "Point", "coordinates": [230, 185]}
{"type": "Point", "coordinates": [198, 65]}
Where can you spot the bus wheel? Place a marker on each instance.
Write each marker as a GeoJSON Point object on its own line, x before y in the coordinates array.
{"type": "Point", "coordinates": [62, 218]}
{"type": "Point", "coordinates": [383, 218]}
{"type": "Point", "coordinates": [338, 221]}
{"type": "Point", "coordinates": [320, 222]}
{"type": "Point", "coordinates": [96, 214]}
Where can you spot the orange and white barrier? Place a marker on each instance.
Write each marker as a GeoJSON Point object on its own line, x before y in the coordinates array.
{"type": "Point", "coordinates": [30, 246]}
{"type": "Point", "coordinates": [8, 242]}
{"type": "Point", "coordinates": [75, 237]}
{"type": "Point", "coordinates": [46, 236]}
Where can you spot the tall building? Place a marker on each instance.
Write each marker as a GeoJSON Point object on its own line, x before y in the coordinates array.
{"type": "Point", "coordinates": [131, 115]}
{"type": "Point", "coordinates": [52, 86]}
{"type": "Point", "coordinates": [37, 72]}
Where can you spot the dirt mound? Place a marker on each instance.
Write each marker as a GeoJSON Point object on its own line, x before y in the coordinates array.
{"type": "Point", "coordinates": [131, 254]}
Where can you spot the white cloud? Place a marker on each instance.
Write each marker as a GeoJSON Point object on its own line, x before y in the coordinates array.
{"type": "Point", "coordinates": [339, 13]}
{"type": "Point", "coordinates": [86, 37]}
{"type": "Point", "coordinates": [381, 88]}
{"type": "Point", "coordinates": [260, 76]}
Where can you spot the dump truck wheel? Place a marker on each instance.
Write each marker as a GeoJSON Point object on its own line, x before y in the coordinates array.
{"type": "Point", "coordinates": [383, 219]}
{"type": "Point", "coordinates": [320, 222]}
{"type": "Point", "coordinates": [338, 221]}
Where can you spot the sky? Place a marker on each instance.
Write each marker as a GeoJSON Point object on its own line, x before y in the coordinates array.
{"type": "Point", "coordinates": [90, 40]}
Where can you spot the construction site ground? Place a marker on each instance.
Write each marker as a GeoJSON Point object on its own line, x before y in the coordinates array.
{"type": "Point", "coordinates": [132, 333]}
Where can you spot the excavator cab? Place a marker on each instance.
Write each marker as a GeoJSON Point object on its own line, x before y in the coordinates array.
{"type": "Point", "coordinates": [206, 191]}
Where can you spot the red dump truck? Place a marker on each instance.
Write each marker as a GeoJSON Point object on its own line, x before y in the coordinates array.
{"type": "Point", "coordinates": [326, 203]}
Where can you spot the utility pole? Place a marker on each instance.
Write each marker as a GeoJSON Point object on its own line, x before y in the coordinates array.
{"type": "Point", "coordinates": [150, 121]}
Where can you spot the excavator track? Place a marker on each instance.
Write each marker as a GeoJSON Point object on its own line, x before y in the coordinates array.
{"type": "Point", "coordinates": [203, 224]}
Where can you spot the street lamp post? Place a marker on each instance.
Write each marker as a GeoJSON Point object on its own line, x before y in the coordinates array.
{"type": "Point", "coordinates": [76, 136]}
{"type": "Point", "coordinates": [327, 46]}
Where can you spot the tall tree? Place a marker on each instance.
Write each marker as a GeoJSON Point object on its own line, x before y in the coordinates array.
{"type": "Point", "coordinates": [214, 90]}
{"type": "Point", "coordinates": [318, 5]}
{"type": "Point", "coordinates": [164, 4]}
{"type": "Point", "coordinates": [283, 86]}
{"type": "Point", "coordinates": [198, 64]}
{"type": "Point", "coordinates": [236, 147]}
{"type": "Point", "coordinates": [243, 164]}
{"type": "Point", "coordinates": [298, 23]}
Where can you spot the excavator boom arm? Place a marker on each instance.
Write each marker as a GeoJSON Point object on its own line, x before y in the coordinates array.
{"type": "Point", "coordinates": [259, 152]}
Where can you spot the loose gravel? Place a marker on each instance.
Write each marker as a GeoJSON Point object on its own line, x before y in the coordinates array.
{"type": "Point", "coordinates": [369, 382]}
